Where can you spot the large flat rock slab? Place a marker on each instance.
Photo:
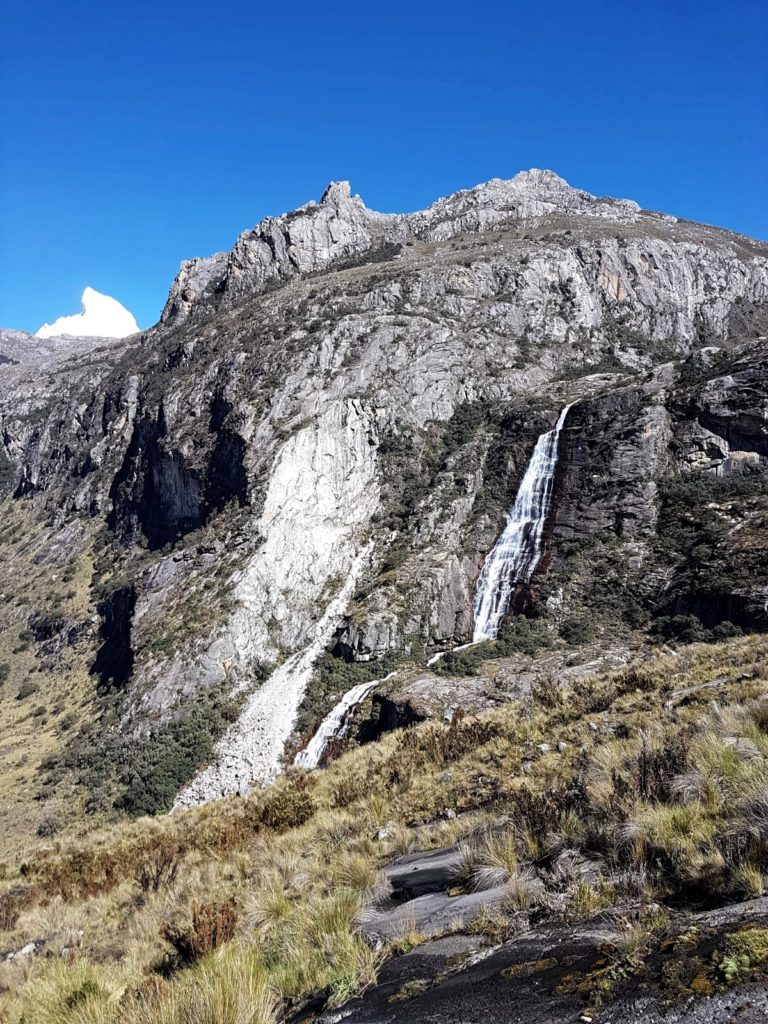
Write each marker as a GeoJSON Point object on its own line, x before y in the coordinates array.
{"type": "Point", "coordinates": [432, 914]}
{"type": "Point", "coordinates": [417, 874]}
{"type": "Point", "coordinates": [527, 981]}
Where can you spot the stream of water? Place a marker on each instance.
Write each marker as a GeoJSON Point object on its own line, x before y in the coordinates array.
{"type": "Point", "coordinates": [518, 550]}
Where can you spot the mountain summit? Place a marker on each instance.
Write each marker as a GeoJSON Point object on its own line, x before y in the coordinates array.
{"type": "Point", "coordinates": [101, 317]}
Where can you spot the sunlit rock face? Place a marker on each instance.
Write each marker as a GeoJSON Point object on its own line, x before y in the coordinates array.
{"type": "Point", "coordinates": [101, 317]}
{"type": "Point", "coordinates": [317, 447]}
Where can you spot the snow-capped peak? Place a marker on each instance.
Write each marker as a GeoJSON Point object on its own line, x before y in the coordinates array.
{"type": "Point", "coordinates": [101, 317]}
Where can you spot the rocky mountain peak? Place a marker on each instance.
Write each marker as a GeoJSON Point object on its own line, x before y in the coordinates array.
{"type": "Point", "coordinates": [536, 174]}
{"type": "Point", "coordinates": [340, 226]}
{"type": "Point", "coordinates": [337, 192]}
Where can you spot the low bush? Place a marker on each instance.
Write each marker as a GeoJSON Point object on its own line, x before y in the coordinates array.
{"type": "Point", "coordinates": [12, 903]}
{"type": "Point", "coordinates": [27, 689]}
{"type": "Point", "coordinates": [71, 993]}
{"type": "Point", "coordinates": [685, 629]}
{"type": "Point", "coordinates": [210, 926]}
{"type": "Point", "coordinates": [48, 827]}
{"type": "Point", "coordinates": [287, 807]}
{"type": "Point", "coordinates": [159, 866]}
{"type": "Point", "coordinates": [577, 629]}
{"type": "Point", "coordinates": [689, 629]}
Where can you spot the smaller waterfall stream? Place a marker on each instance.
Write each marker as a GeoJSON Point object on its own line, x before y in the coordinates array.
{"type": "Point", "coordinates": [335, 724]}
{"type": "Point", "coordinates": [252, 748]}
{"type": "Point", "coordinates": [512, 560]}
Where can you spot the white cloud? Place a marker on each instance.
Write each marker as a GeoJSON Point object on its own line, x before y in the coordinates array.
{"type": "Point", "coordinates": [101, 317]}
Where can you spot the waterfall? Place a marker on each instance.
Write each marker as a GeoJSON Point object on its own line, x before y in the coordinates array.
{"type": "Point", "coordinates": [512, 560]}
{"type": "Point", "coordinates": [518, 550]}
{"type": "Point", "coordinates": [335, 724]}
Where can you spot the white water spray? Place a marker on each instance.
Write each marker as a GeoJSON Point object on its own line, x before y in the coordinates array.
{"type": "Point", "coordinates": [518, 550]}
{"type": "Point", "coordinates": [336, 723]}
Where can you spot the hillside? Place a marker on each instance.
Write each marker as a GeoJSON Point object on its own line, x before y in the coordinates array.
{"type": "Point", "coordinates": [496, 464]}
{"type": "Point", "coordinates": [598, 848]}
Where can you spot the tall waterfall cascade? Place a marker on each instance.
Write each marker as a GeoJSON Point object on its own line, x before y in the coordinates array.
{"type": "Point", "coordinates": [518, 550]}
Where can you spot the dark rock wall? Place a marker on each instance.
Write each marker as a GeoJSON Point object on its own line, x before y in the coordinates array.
{"type": "Point", "coordinates": [114, 659]}
{"type": "Point", "coordinates": [153, 492]}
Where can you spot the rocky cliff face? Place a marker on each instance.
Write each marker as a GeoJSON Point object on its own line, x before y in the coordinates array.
{"type": "Point", "coordinates": [315, 447]}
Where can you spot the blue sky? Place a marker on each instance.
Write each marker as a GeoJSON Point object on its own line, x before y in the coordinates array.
{"type": "Point", "coordinates": [138, 134]}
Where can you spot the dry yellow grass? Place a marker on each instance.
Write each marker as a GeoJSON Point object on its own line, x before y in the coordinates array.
{"type": "Point", "coordinates": [298, 890]}
{"type": "Point", "coordinates": [42, 571]}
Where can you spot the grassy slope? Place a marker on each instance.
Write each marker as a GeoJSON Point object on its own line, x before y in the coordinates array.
{"type": "Point", "coordinates": [43, 574]}
{"type": "Point", "coordinates": [657, 772]}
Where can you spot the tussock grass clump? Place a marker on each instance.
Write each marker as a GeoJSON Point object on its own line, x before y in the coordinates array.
{"type": "Point", "coordinates": [488, 859]}
{"type": "Point", "coordinates": [360, 873]}
{"type": "Point", "coordinates": [210, 926]}
{"type": "Point", "coordinates": [229, 989]}
{"type": "Point", "coordinates": [521, 892]}
{"type": "Point", "coordinates": [71, 993]}
{"type": "Point", "coordinates": [316, 947]}
{"type": "Point", "coordinates": [748, 881]}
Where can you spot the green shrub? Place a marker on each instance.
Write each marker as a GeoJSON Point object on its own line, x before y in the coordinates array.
{"type": "Point", "coordinates": [598, 564]}
{"type": "Point", "coordinates": [686, 629]}
{"type": "Point", "coordinates": [726, 630]}
{"type": "Point", "coordinates": [82, 993]}
{"type": "Point", "coordinates": [577, 629]}
{"type": "Point", "coordinates": [523, 635]}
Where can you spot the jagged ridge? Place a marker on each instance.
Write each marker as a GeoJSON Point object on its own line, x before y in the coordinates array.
{"type": "Point", "coordinates": [314, 236]}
